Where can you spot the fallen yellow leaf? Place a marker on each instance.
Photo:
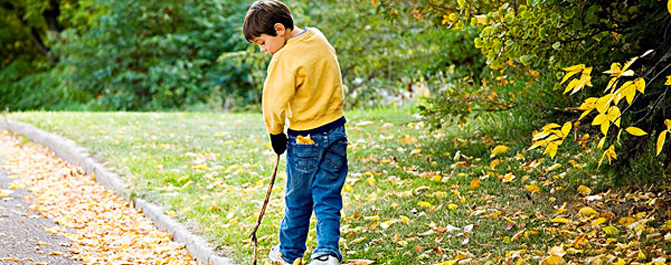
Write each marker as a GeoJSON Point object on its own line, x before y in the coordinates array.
{"type": "Point", "coordinates": [474, 184]}
{"type": "Point", "coordinates": [5, 193]}
{"type": "Point", "coordinates": [357, 241]}
{"type": "Point", "coordinates": [554, 167]}
{"type": "Point", "coordinates": [611, 230]}
{"type": "Point", "coordinates": [560, 220]}
{"type": "Point", "coordinates": [370, 181]}
{"type": "Point", "coordinates": [183, 178]}
{"type": "Point", "coordinates": [584, 190]}
{"type": "Point", "coordinates": [553, 260]}
{"type": "Point", "coordinates": [587, 211]}
{"type": "Point", "coordinates": [598, 221]}
{"type": "Point", "coordinates": [372, 218]}
{"type": "Point", "coordinates": [499, 149]}
{"type": "Point", "coordinates": [495, 163]}
{"type": "Point", "coordinates": [387, 224]}
{"type": "Point", "coordinates": [533, 188]}
{"type": "Point", "coordinates": [626, 221]}
{"type": "Point", "coordinates": [408, 140]}
{"type": "Point", "coordinates": [452, 206]}
{"type": "Point", "coordinates": [424, 204]}
{"type": "Point", "coordinates": [557, 251]}
{"type": "Point", "coordinates": [201, 167]}
{"type": "Point", "coordinates": [508, 177]}
{"type": "Point", "coordinates": [16, 186]}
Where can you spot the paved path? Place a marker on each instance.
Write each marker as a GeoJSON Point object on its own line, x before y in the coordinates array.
{"type": "Point", "coordinates": [23, 237]}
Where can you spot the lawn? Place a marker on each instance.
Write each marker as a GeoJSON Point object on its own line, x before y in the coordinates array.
{"type": "Point", "coordinates": [413, 196]}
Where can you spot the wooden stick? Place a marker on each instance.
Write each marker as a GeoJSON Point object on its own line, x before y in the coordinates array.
{"type": "Point", "coordinates": [252, 235]}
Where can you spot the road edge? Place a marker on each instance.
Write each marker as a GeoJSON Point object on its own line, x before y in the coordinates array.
{"type": "Point", "coordinates": [79, 156]}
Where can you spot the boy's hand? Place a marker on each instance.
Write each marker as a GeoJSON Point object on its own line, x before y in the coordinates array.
{"type": "Point", "coordinates": [279, 142]}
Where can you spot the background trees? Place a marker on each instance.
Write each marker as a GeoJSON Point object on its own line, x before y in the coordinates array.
{"type": "Point", "coordinates": [130, 55]}
{"type": "Point", "coordinates": [466, 58]}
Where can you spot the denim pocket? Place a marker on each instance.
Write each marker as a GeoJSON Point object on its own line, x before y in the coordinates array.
{"type": "Point", "coordinates": [336, 155]}
{"type": "Point", "coordinates": [305, 156]}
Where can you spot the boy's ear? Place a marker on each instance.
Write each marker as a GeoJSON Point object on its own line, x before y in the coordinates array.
{"type": "Point", "coordinates": [279, 29]}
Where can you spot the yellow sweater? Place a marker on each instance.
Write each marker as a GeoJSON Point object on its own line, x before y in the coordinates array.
{"type": "Point", "coordinates": [303, 84]}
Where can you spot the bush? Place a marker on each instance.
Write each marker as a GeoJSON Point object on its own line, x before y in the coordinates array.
{"type": "Point", "coordinates": [547, 36]}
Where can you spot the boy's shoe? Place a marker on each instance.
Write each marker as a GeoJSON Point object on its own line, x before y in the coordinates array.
{"type": "Point", "coordinates": [276, 256]}
{"type": "Point", "coordinates": [324, 259]}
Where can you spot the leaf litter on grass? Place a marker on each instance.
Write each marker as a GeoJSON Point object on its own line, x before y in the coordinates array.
{"type": "Point", "coordinates": [106, 229]}
{"type": "Point", "coordinates": [517, 210]}
{"type": "Point", "coordinates": [448, 197]}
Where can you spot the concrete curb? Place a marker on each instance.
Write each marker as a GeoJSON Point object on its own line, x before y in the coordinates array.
{"type": "Point", "coordinates": [68, 150]}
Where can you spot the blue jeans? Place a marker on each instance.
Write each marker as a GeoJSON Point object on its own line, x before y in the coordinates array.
{"type": "Point", "coordinates": [315, 177]}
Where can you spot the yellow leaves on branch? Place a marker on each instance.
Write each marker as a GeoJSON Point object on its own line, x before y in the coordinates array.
{"type": "Point", "coordinates": [577, 84]}
{"type": "Point", "coordinates": [616, 72]}
{"type": "Point", "coordinates": [628, 90]}
{"type": "Point", "coordinates": [635, 131]}
{"type": "Point", "coordinates": [609, 153]}
{"type": "Point", "coordinates": [605, 119]}
{"type": "Point", "coordinates": [607, 107]}
{"type": "Point", "coordinates": [551, 137]}
{"type": "Point", "coordinates": [662, 136]}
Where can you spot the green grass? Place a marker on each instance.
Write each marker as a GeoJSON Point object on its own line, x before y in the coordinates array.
{"type": "Point", "coordinates": [407, 197]}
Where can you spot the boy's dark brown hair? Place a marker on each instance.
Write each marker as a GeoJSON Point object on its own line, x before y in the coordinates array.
{"type": "Point", "coordinates": [262, 17]}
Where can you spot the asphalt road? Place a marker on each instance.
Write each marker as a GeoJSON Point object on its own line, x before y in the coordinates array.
{"type": "Point", "coordinates": [23, 237]}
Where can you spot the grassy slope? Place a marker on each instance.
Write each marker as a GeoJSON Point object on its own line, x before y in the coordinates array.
{"type": "Point", "coordinates": [412, 196]}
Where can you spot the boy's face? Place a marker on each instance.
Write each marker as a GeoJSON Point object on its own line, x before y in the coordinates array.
{"type": "Point", "coordinates": [270, 44]}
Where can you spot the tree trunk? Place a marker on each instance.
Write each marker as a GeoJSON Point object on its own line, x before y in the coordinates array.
{"type": "Point", "coordinates": [40, 45]}
{"type": "Point", "coordinates": [51, 16]}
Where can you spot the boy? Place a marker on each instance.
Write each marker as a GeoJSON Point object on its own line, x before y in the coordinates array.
{"type": "Point", "coordinates": [304, 85]}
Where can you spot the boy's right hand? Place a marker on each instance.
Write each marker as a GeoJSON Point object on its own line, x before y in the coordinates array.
{"type": "Point", "coordinates": [279, 142]}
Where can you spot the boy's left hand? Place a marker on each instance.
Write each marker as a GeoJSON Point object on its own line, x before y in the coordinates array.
{"type": "Point", "coordinates": [279, 142]}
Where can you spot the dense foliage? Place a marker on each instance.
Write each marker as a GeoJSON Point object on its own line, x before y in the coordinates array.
{"type": "Point", "coordinates": [139, 55]}
{"type": "Point", "coordinates": [130, 55]}
{"type": "Point", "coordinates": [529, 47]}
